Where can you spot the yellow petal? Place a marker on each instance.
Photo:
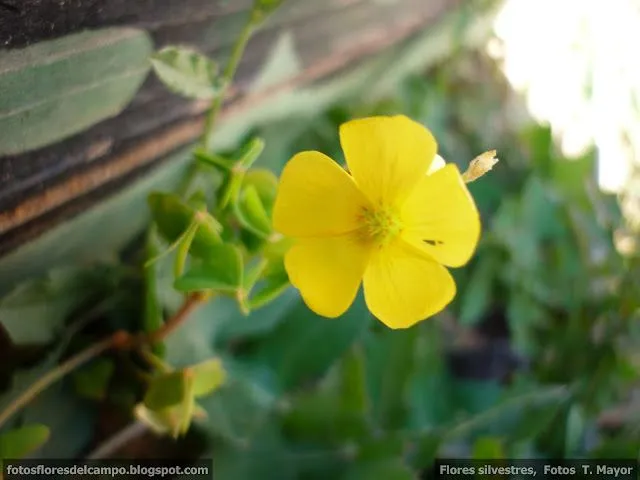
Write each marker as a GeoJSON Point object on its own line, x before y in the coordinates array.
{"type": "Point", "coordinates": [327, 271]}
{"type": "Point", "coordinates": [316, 197]}
{"type": "Point", "coordinates": [387, 155]}
{"type": "Point", "coordinates": [403, 287]}
{"type": "Point", "coordinates": [441, 218]}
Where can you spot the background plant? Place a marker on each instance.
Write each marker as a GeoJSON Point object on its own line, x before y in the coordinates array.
{"type": "Point", "coordinates": [536, 357]}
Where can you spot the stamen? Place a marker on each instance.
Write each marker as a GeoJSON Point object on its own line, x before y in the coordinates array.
{"type": "Point", "coordinates": [380, 225]}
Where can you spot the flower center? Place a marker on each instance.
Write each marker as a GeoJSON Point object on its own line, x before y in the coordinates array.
{"type": "Point", "coordinates": [380, 225]}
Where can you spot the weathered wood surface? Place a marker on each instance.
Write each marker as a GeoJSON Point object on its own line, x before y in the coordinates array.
{"type": "Point", "coordinates": [42, 185]}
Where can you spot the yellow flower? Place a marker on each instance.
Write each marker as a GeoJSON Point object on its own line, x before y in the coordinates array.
{"type": "Point", "coordinates": [392, 223]}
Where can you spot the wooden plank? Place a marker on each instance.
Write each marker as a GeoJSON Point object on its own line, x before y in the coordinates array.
{"type": "Point", "coordinates": [93, 227]}
{"type": "Point", "coordinates": [48, 184]}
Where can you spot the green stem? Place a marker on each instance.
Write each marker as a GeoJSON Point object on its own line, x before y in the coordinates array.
{"type": "Point", "coordinates": [183, 248]}
{"type": "Point", "coordinates": [123, 339]}
{"type": "Point", "coordinates": [118, 340]}
{"type": "Point", "coordinates": [56, 374]}
{"type": "Point", "coordinates": [152, 309]}
{"type": "Point", "coordinates": [227, 76]}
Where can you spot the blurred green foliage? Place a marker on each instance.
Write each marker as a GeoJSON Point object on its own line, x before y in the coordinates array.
{"type": "Point", "coordinates": [536, 357]}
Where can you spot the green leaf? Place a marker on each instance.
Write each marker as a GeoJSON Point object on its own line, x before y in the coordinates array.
{"type": "Point", "coordinates": [68, 418]}
{"type": "Point", "coordinates": [172, 420]}
{"type": "Point", "coordinates": [160, 422]}
{"type": "Point", "coordinates": [616, 448]}
{"type": "Point", "coordinates": [248, 153]}
{"type": "Point", "coordinates": [521, 242]}
{"type": "Point", "coordinates": [207, 376]}
{"type": "Point", "coordinates": [187, 407]}
{"type": "Point", "coordinates": [54, 89]}
{"type": "Point", "coordinates": [183, 248]}
{"type": "Point", "coordinates": [390, 360]}
{"type": "Point", "coordinates": [266, 7]}
{"type": "Point", "coordinates": [525, 315]}
{"type": "Point", "coordinates": [573, 177]}
{"type": "Point", "coordinates": [382, 446]}
{"type": "Point", "coordinates": [222, 271]}
{"type": "Point", "coordinates": [354, 395]}
{"type": "Point", "coordinates": [188, 73]}
{"type": "Point", "coordinates": [487, 448]}
{"type": "Point", "coordinates": [266, 456]}
{"type": "Point", "coordinates": [166, 390]}
{"type": "Point", "coordinates": [35, 312]}
{"type": "Point", "coordinates": [477, 296]}
{"type": "Point", "coordinates": [274, 284]}
{"type": "Point", "coordinates": [251, 212]}
{"type": "Point", "coordinates": [230, 189]}
{"type": "Point", "coordinates": [539, 210]}
{"type": "Point", "coordinates": [431, 374]}
{"type": "Point", "coordinates": [19, 443]}
{"type": "Point", "coordinates": [385, 469]}
{"type": "Point", "coordinates": [92, 380]}
{"type": "Point", "coordinates": [329, 413]}
{"type": "Point", "coordinates": [173, 217]}
{"type": "Point", "coordinates": [337, 411]}
{"type": "Point", "coordinates": [318, 417]}
{"type": "Point", "coordinates": [475, 396]}
{"type": "Point", "coordinates": [576, 425]}
{"type": "Point", "coordinates": [265, 183]}
{"type": "Point", "coordinates": [505, 409]}
{"type": "Point", "coordinates": [195, 340]}
{"type": "Point", "coordinates": [533, 421]}
{"type": "Point", "coordinates": [252, 272]}
{"type": "Point", "coordinates": [239, 408]}
{"type": "Point", "coordinates": [152, 309]}
{"type": "Point", "coordinates": [540, 142]}
{"type": "Point", "coordinates": [270, 291]}
{"type": "Point", "coordinates": [259, 322]}
{"type": "Point", "coordinates": [294, 349]}
{"type": "Point", "coordinates": [426, 447]}
{"type": "Point", "coordinates": [223, 164]}
{"type": "Point", "coordinates": [198, 200]}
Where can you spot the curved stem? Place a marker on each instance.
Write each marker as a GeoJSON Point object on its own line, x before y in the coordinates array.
{"type": "Point", "coordinates": [119, 340]}
{"type": "Point", "coordinates": [117, 441]}
{"type": "Point", "coordinates": [124, 340]}
{"type": "Point", "coordinates": [57, 373]}
{"type": "Point", "coordinates": [227, 76]}
{"type": "Point", "coordinates": [168, 327]}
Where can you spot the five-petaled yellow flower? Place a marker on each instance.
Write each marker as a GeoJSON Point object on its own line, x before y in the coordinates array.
{"type": "Point", "coordinates": [393, 223]}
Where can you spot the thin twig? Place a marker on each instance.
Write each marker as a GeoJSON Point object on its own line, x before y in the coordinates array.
{"type": "Point", "coordinates": [119, 340]}
{"type": "Point", "coordinates": [56, 374]}
{"type": "Point", "coordinates": [117, 441]}
{"type": "Point", "coordinates": [227, 76]}
{"type": "Point", "coordinates": [124, 340]}
{"type": "Point", "coordinates": [168, 327]}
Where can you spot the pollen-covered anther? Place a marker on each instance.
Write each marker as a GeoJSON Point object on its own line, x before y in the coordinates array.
{"type": "Point", "coordinates": [379, 225]}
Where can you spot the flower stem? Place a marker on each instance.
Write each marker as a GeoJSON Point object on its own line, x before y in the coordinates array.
{"type": "Point", "coordinates": [227, 77]}
{"type": "Point", "coordinates": [57, 373]}
{"type": "Point", "coordinates": [192, 302]}
{"type": "Point", "coordinates": [119, 440]}
{"type": "Point", "coordinates": [123, 340]}
{"type": "Point", "coordinates": [118, 340]}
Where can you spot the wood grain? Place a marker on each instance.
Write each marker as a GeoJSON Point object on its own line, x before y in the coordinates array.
{"type": "Point", "coordinates": [38, 189]}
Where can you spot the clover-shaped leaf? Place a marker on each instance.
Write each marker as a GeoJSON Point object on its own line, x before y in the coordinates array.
{"type": "Point", "coordinates": [188, 73]}
{"type": "Point", "coordinates": [22, 441]}
{"type": "Point", "coordinates": [221, 270]}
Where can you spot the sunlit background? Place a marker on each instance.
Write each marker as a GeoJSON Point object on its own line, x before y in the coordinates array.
{"type": "Point", "coordinates": [577, 64]}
